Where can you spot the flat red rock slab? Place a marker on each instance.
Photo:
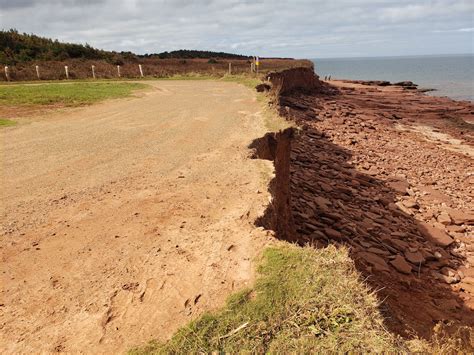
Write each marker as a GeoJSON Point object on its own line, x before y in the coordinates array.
{"type": "Point", "coordinates": [436, 235]}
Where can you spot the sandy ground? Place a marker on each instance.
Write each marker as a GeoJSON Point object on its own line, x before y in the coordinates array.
{"type": "Point", "coordinates": [123, 220]}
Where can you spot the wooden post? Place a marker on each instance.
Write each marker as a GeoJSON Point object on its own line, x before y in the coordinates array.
{"type": "Point", "coordinates": [141, 70]}
{"type": "Point", "coordinates": [7, 75]}
{"type": "Point", "coordinates": [66, 70]}
{"type": "Point", "coordinates": [93, 71]}
{"type": "Point", "coordinates": [230, 68]}
{"type": "Point", "coordinates": [118, 70]}
{"type": "Point", "coordinates": [38, 72]}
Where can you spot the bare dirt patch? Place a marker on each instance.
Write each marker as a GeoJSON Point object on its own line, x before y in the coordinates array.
{"type": "Point", "coordinates": [122, 221]}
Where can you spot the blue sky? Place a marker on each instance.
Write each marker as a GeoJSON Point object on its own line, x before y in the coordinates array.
{"type": "Point", "coordinates": [298, 28]}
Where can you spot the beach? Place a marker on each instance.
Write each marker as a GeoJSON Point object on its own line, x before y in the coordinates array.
{"type": "Point", "coordinates": [388, 172]}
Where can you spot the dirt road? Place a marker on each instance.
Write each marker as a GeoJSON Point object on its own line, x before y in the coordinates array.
{"type": "Point", "coordinates": [123, 220]}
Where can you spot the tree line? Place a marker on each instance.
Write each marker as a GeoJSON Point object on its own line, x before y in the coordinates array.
{"type": "Point", "coordinates": [18, 47]}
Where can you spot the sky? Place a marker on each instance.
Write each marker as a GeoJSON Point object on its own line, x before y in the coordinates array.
{"type": "Point", "coordinates": [294, 28]}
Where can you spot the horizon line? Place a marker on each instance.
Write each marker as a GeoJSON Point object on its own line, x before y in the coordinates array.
{"type": "Point", "coordinates": [395, 56]}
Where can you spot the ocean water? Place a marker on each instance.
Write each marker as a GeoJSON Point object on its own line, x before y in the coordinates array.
{"type": "Point", "coordinates": [450, 75]}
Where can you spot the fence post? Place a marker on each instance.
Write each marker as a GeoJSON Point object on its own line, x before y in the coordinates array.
{"type": "Point", "coordinates": [66, 70]}
{"type": "Point", "coordinates": [93, 71]}
{"type": "Point", "coordinates": [118, 70]}
{"type": "Point", "coordinates": [141, 70]}
{"type": "Point", "coordinates": [230, 68]}
{"type": "Point", "coordinates": [7, 75]}
{"type": "Point", "coordinates": [38, 72]}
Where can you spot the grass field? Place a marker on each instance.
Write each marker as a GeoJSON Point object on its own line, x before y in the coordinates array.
{"type": "Point", "coordinates": [65, 94]}
{"type": "Point", "coordinates": [32, 96]}
{"type": "Point", "coordinates": [89, 92]}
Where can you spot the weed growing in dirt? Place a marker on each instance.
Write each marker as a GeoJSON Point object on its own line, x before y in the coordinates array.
{"type": "Point", "coordinates": [6, 123]}
{"type": "Point", "coordinates": [67, 94]}
{"type": "Point", "coordinates": [305, 300]}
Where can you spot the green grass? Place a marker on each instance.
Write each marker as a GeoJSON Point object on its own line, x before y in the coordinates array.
{"type": "Point", "coordinates": [247, 80]}
{"type": "Point", "coordinates": [66, 94]}
{"type": "Point", "coordinates": [304, 300]}
{"type": "Point", "coordinates": [6, 122]}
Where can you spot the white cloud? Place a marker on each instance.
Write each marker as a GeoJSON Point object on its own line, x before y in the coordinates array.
{"type": "Point", "coordinates": [298, 28]}
{"type": "Point", "coordinates": [468, 29]}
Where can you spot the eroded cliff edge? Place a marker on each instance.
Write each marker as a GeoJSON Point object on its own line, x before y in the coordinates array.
{"type": "Point", "coordinates": [358, 172]}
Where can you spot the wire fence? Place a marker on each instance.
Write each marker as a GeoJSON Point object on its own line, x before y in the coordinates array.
{"type": "Point", "coordinates": [85, 69]}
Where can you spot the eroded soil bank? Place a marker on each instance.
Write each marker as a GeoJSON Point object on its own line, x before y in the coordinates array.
{"type": "Point", "coordinates": [389, 173]}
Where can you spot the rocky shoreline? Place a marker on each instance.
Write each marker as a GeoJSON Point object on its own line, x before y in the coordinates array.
{"type": "Point", "coordinates": [388, 172]}
{"type": "Point", "coordinates": [407, 85]}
